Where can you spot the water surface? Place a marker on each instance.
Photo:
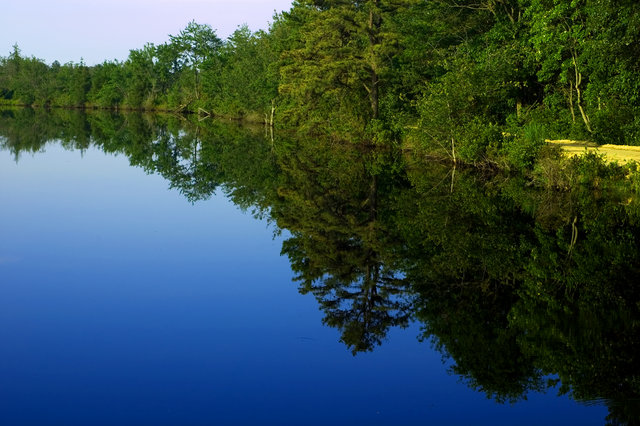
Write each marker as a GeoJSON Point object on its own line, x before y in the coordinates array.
{"type": "Point", "coordinates": [151, 272]}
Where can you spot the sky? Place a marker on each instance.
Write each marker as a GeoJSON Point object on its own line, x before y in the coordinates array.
{"type": "Point", "coordinates": [99, 30]}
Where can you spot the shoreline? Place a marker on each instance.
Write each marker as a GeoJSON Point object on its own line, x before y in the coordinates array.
{"type": "Point", "coordinates": [613, 153]}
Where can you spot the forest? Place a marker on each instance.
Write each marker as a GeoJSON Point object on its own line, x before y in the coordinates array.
{"type": "Point", "coordinates": [476, 81]}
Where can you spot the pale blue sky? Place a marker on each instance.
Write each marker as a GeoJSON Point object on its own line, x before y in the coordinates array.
{"type": "Point", "coordinates": [97, 30]}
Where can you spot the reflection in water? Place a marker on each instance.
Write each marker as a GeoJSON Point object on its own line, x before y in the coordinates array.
{"type": "Point", "coordinates": [523, 288]}
{"type": "Point", "coordinates": [330, 203]}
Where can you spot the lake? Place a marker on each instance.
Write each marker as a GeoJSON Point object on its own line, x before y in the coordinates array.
{"type": "Point", "coordinates": [158, 270]}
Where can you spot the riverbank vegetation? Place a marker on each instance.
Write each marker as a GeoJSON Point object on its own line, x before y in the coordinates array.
{"type": "Point", "coordinates": [478, 81]}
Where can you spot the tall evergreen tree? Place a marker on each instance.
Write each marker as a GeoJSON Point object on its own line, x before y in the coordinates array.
{"type": "Point", "coordinates": [337, 74]}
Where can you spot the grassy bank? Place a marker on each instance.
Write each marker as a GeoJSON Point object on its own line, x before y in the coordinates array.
{"type": "Point", "coordinates": [622, 154]}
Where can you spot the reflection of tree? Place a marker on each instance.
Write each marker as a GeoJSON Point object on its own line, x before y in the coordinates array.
{"type": "Point", "coordinates": [469, 324]}
{"type": "Point", "coordinates": [578, 311]}
{"type": "Point", "coordinates": [589, 339]}
{"type": "Point", "coordinates": [28, 130]}
{"type": "Point", "coordinates": [330, 201]}
{"type": "Point", "coordinates": [360, 298]}
{"type": "Point", "coordinates": [196, 159]}
{"type": "Point", "coordinates": [514, 284]}
{"type": "Point", "coordinates": [515, 289]}
{"type": "Point", "coordinates": [463, 251]}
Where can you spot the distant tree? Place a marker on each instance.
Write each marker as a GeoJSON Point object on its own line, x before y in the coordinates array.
{"type": "Point", "coordinates": [108, 85]}
{"type": "Point", "coordinates": [239, 82]}
{"type": "Point", "coordinates": [196, 44]}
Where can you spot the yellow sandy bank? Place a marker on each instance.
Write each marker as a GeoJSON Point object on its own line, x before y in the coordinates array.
{"type": "Point", "coordinates": [619, 153]}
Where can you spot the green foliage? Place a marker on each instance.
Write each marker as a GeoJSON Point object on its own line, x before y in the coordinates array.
{"type": "Point", "coordinates": [468, 80]}
{"type": "Point", "coordinates": [196, 45]}
{"type": "Point", "coordinates": [523, 150]}
{"type": "Point", "coordinates": [106, 86]}
{"type": "Point", "coordinates": [617, 124]}
{"type": "Point", "coordinates": [334, 76]}
{"type": "Point", "coordinates": [242, 83]}
{"type": "Point", "coordinates": [184, 74]}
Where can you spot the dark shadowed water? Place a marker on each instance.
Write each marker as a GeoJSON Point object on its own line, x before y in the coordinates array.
{"type": "Point", "coordinates": [155, 271]}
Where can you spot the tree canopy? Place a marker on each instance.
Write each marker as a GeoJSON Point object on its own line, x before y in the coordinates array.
{"type": "Point", "coordinates": [481, 81]}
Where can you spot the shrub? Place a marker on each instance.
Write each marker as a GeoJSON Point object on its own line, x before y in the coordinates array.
{"type": "Point", "coordinates": [522, 150]}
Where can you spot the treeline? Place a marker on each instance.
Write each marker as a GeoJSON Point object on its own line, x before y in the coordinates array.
{"type": "Point", "coordinates": [478, 80]}
{"type": "Point", "coordinates": [194, 69]}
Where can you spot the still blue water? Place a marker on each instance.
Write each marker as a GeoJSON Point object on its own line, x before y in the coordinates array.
{"type": "Point", "coordinates": [123, 303]}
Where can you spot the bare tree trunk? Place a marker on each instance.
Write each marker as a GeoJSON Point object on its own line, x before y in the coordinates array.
{"type": "Point", "coordinates": [196, 76]}
{"type": "Point", "coordinates": [578, 76]}
{"type": "Point", "coordinates": [453, 150]}
{"type": "Point", "coordinates": [273, 111]}
{"type": "Point", "coordinates": [573, 113]}
{"type": "Point", "coordinates": [453, 176]}
{"type": "Point", "coordinates": [373, 95]}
